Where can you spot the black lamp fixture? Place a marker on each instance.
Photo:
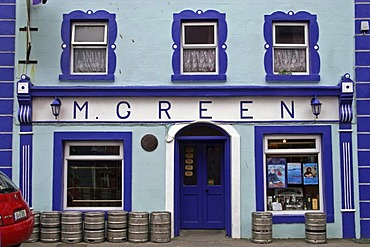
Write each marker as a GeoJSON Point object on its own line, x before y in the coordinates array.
{"type": "Point", "coordinates": [55, 107]}
{"type": "Point", "coordinates": [316, 106]}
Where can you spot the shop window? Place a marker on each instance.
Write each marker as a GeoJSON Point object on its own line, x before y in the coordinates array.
{"type": "Point", "coordinates": [92, 171]}
{"type": "Point", "coordinates": [294, 172]}
{"type": "Point", "coordinates": [291, 47]}
{"type": "Point", "coordinates": [293, 165]}
{"type": "Point", "coordinates": [88, 46]}
{"type": "Point", "coordinates": [93, 175]}
{"type": "Point", "coordinates": [199, 46]}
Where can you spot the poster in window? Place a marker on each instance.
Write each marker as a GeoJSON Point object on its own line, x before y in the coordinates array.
{"type": "Point", "coordinates": [276, 172]}
{"type": "Point", "coordinates": [310, 173]}
{"type": "Point", "coordinates": [294, 173]}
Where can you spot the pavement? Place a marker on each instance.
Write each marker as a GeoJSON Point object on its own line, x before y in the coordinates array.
{"type": "Point", "coordinates": [208, 238]}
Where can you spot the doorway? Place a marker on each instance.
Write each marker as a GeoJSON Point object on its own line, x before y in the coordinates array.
{"type": "Point", "coordinates": [202, 186]}
{"type": "Point", "coordinates": [202, 198]}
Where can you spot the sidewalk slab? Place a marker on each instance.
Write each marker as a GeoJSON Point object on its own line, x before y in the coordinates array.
{"type": "Point", "coordinates": [211, 238]}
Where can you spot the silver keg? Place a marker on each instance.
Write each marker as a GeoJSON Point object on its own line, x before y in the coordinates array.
{"type": "Point", "coordinates": [160, 227]}
{"type": "Point", "coordinates": [138, 227]}
{"type": "Point", "coordinates": [261, 227]}
{"type": "Point", "coordinates": [71, 225]}
{"type": "Point", "coordinates": [50, 227]}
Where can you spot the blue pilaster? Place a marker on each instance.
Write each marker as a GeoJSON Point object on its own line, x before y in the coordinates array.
{"type": "Point", "coordinates": [346, 157]}
{"type": "Point", "coordinates": [25, 153]}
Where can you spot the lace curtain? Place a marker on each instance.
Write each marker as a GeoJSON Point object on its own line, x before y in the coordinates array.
{"type": "Point", "coordinates": [199, 60]}
{"type": "Point", "coordinates": [89, 60]}
{"type": "Point", "coordinates": [290, 60]}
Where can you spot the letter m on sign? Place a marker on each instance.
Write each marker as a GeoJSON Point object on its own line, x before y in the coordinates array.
{"type": "Point", "coordinates": [76, 107]}
{"type": "Point", "coordinates": [285, 108]}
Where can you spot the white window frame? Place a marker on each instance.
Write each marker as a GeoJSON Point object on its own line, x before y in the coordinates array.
{"type": "Point", "coordinates": [292, 46]}
{"type": "Point", "coordinates": [199, 46]}
{"type": "Point", "coordinates": [89, 45]}
{"type": "Point", "coordinates": [67, 157]}
{"type": "Point", "coordinates": [303, 151]}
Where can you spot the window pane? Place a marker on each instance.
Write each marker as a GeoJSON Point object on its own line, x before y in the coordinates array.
{"type": "Point", "coordinates": [7, 185]}
{"type": "Point", "coordinates": [89, 33]}
{"type": "Point", "coordinates": [94, 150]}
{"type": "Point", "coordinates": [290, 60]}
{"type": "Point", "coordinates": [89, 60]}
{"type": "Point", "coordinates": [291, 143]}
{"type": "Point", "coordinates": [289, 35]}
{"type": "Point", "coordinates": [202, 60]}
{"type": "Point", "coordinates": [95, 183]}
{"type": "Point", "coordinates": [214, 165]}
{"type": "Point", "coordinates": [292, 182]}
{"type": "Point", "coordinates": [199, 34]}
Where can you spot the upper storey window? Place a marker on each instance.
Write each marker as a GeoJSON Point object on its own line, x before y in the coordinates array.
{"type": "Point", "coordinates": [291, 49]}
{"type": "Point", "coordinates": [88, 46]}
{"type": "Point", "coordinates": [199, 46]}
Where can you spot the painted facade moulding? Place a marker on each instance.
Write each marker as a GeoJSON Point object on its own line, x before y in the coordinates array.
{"type": "Point", "coordinates": [26, 90]}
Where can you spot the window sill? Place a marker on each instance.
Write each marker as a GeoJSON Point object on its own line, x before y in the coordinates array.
{"type": "Point", "coordinates": [221, 78]}
{"type": "Point", "coordinates": [294, 218]}
{"type": "Point", "coordinates": [69, 77]}
{"type": "Point", "coordinates": [299, 78]}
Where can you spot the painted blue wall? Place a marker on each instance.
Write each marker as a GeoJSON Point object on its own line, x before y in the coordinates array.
{"type": "Point", "coordinates": [362, 68]}
{"type": "Point", "coordinates": [144, 41]}
{"type": "Point", "coordinates": [144, 52]}
{"type": "Point", "coordinates": [7, 48]}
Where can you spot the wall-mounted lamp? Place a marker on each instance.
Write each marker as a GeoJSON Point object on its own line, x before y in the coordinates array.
{"type": "Point", "coordinates": [316, 106]}
{"type": "Point", "coordinates": [55, 107]}
{"type": "Point", "coordinates": [364, 27]}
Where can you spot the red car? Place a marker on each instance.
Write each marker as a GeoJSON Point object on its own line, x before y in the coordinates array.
{"type": "Point", "coordinates": [16, 219]}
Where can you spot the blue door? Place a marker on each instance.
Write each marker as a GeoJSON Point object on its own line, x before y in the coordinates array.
{"type": "Point", "coordinates": [202, 186]}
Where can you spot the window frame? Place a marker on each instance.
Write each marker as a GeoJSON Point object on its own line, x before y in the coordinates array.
{"type": "Point", "coordinates": [68, 156]}
{"type": "Point", "coordinates": [317, 150]}
{"type": "Point", "coordinates": [184, 46]}
{"type": "Point", "coordinates": [78, 17]}
{"type": "Point", "coordinates": [324, 131]}
{"type": "Point", "coordinates": [199, 16]}
{"type": "Point", "coordinates": [313, 62]}
{"type": "Point", "coordinates": [292, 45]}
{"type": "Point", "coordinates": [60, 138]}
{"type": "Point", "coordinates": [89, 45]}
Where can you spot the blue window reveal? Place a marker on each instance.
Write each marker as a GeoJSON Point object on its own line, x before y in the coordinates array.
{"type": "Point", "coordinates": [75, 44]}
{"type": "Point", "coordinates": [213, 47]}
{"type": "Point", "coordinates": [327, 168]}
{"type": "Point", "coordinates": [60, 138]}
{"type": "Point", "coordinates": [298, 24]}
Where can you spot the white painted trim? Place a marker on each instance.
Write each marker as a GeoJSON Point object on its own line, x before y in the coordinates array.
{"type": "Point", "coordinates": [234, 166]}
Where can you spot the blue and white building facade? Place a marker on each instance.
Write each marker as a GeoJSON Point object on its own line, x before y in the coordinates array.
{"type": "Point", "coordinates": [362, 49]}
{"type": "Point", "coordinates": [204, 110]}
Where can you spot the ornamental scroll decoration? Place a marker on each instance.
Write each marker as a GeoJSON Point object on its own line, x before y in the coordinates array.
{"type": "Point", "coordinates": [24, 100]}
{"type": "Point", "coordinates": [346, 98]}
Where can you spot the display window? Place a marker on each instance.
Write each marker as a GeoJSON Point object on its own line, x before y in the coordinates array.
{"type": "Point", "coordinates": [93, 174]}
{"type": "Point", "coordinates": [293, 173]}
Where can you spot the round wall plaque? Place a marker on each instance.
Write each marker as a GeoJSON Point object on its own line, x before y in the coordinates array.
{"type": "Point", "coordinates": [149, 142]}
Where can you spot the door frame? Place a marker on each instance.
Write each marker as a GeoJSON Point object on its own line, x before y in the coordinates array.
{"type": "Point", "coordinates": [233, 147]}
{"type": "Point", "coordinates": [225, 138]}
{"type": "Point", "coordinates": [225, 175]}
